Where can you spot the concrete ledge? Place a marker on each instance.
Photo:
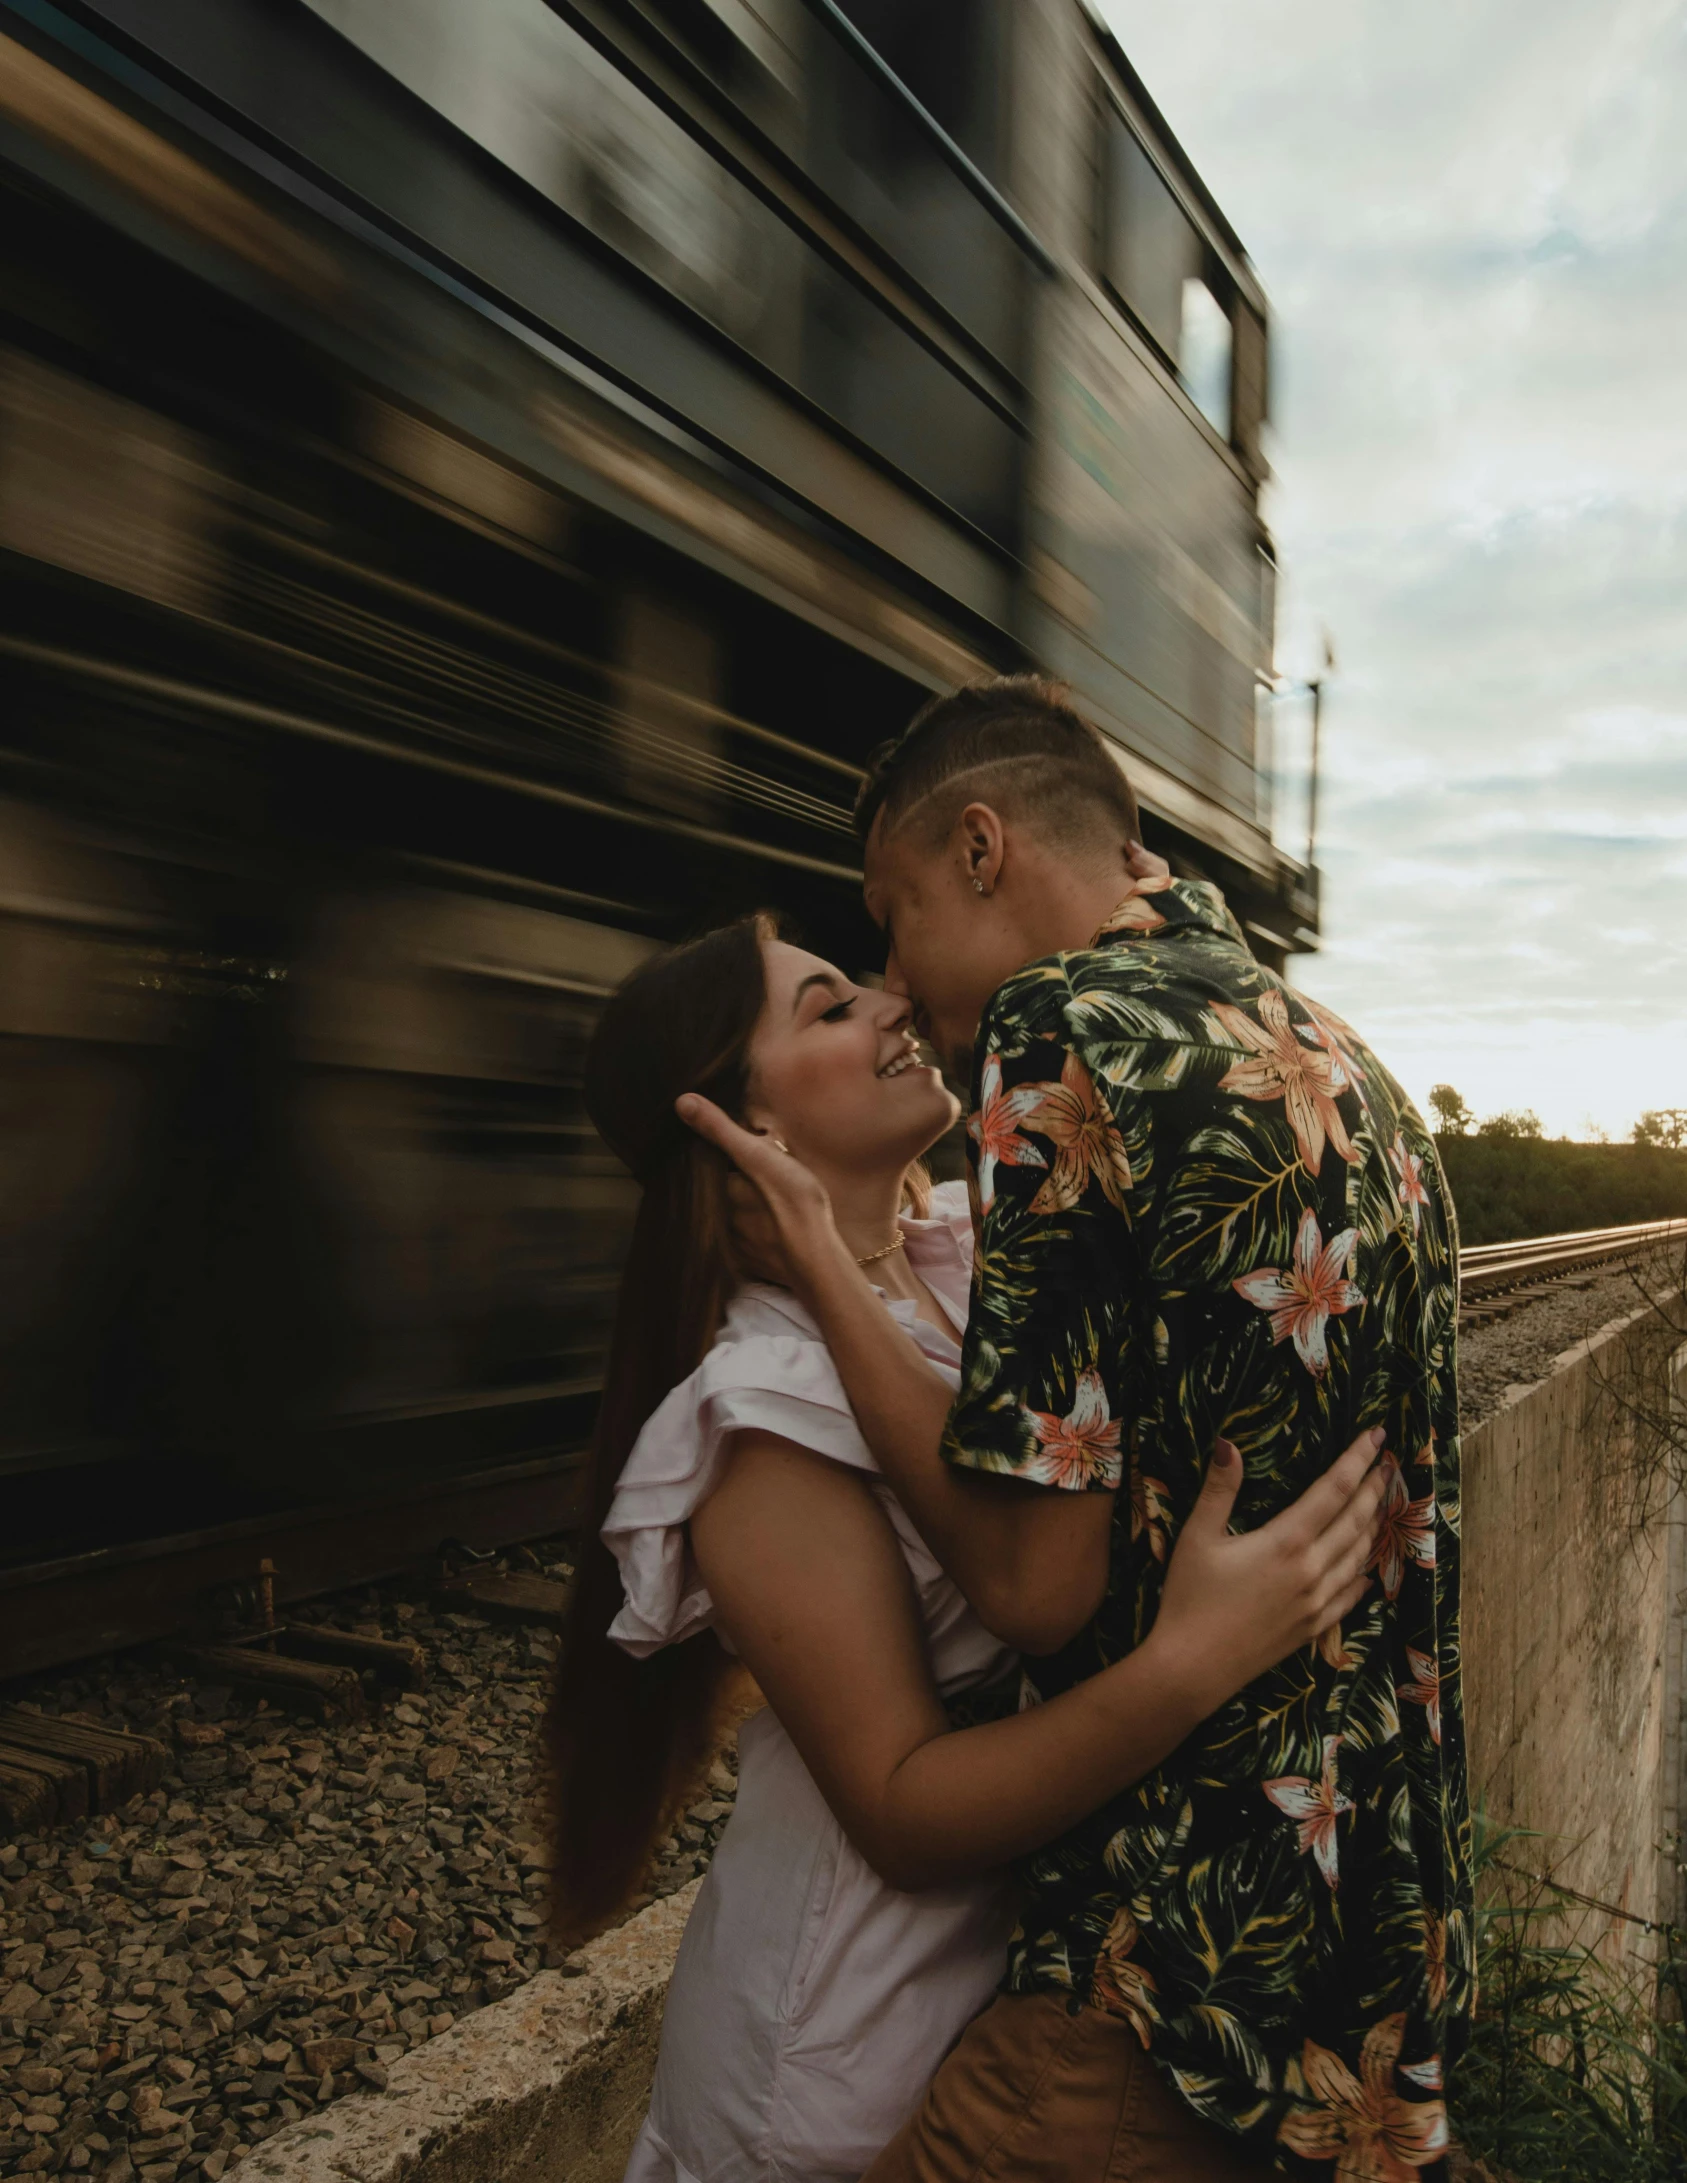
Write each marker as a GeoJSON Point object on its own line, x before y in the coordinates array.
{"type": "Point", "coordinates": [1575, 1622]}
{"type": "Point", "coordinates": [548, 2086]}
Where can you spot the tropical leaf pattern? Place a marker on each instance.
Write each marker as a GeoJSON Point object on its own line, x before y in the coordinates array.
{"type": "Point", "coordinates": [1204, 1207]}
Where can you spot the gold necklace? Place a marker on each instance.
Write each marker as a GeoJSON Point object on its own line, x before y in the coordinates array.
{"type": "Point", "coordinates": [895, 1244]}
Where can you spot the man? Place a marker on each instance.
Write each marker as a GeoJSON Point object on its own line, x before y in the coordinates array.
{"type": "Point", "coordinates": [1203, 1208]}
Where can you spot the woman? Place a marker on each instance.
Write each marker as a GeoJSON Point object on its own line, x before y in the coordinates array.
{"type": "Point", "coordinates": [856, 1913]}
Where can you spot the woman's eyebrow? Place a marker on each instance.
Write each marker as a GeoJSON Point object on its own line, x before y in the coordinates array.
{"type": "Point", "coordinates": [815, 977]}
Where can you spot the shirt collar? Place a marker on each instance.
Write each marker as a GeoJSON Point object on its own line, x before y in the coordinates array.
{"type": "Point", "coordinates": [936, 1254]}
{"type": "Point", "coordinates": [1164, 905]}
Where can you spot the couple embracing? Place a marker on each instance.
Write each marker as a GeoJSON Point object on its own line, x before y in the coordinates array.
{"type": "Point", "coordinates": [1094, 1543]}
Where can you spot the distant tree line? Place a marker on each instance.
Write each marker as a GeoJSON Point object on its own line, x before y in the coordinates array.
{"type": "Point", "coordinates": [1510, 1180]}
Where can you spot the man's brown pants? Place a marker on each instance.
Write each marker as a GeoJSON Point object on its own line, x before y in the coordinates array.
{"type": "Point", "coordinates": [1032, 2094]}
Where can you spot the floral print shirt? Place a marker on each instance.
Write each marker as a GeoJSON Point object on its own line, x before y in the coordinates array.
{"type": "Point", "coordinates": [1205, 1208]}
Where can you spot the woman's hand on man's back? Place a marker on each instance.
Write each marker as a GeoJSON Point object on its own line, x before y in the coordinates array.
{"type": "Point", "coordinates": [1236, 1603]}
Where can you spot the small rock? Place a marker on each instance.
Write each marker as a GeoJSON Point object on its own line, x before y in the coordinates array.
{"type": "Point", "coordinates": [246, 1896]}
{"type": "Point", "coordinates": [324, 2057]}
{"type": "Point", "coordinates": [374, 2074]}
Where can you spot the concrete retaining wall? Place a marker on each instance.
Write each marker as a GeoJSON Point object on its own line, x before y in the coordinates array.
{"type": "Point", "coordinates": [1575, 1623]}
{"type": "Point", "coordinates": [547, 2087]}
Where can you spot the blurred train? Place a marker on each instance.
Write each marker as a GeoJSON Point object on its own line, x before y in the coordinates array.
{"type": "Point", "coordinates": [476, 478]}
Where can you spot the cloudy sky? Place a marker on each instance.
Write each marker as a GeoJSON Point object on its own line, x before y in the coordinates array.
{"type": "Point", "coordinates": [1472, 220]}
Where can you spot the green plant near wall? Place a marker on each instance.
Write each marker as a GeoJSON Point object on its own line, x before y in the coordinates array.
{"type": "Point", "coordinates": [1575, 2072]}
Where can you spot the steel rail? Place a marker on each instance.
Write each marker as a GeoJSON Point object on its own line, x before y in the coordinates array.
{"type": "Point", "coordinates": [1485, 1269]}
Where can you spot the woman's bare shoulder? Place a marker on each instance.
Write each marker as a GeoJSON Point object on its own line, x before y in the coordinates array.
{"type": "Point", "coordinates": [772, 1495]}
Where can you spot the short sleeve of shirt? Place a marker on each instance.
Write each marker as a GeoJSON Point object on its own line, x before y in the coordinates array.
{"type": "Point", "coordinates": [1047, 1359]}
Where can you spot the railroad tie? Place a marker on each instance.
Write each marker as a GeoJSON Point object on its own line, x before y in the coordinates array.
{"type": "Point", "coordinates": [35, 1791]}
{"type": "Point", "coordinates": [324, 1690]}
{"type": "Point", "coordinates": [399, 1661]}
{"type": "Point", "coordinates": [78, 1767]}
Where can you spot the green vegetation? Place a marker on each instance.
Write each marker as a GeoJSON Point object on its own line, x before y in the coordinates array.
{"type": "Point", "coordinates": [1510, 1181]}
{"type": "Point", "coordinates": [1574, 2073]}
{"type": "Point", "coordinates": [1507, 1187]}
{"type": "Point", "coordinates": [1663, 1126]}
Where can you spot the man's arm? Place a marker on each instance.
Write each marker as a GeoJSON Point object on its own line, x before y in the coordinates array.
{"type": "Point", "coordinates": [1032, 1564]}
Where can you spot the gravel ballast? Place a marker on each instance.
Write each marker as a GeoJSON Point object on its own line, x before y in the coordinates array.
{"type": "Point", "coordinates": [1524, 1346]}
{"type": "Point", "coordinates": [297, 1906]}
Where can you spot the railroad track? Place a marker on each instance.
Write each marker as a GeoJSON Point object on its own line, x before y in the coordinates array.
{"type": "Point", "coordinates": [1496, 1278]}
{"type": "Point", "coordinates": [150, 1588]}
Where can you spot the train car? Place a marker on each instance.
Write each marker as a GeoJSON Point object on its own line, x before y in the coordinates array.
{"type": "Point", "coordinates": [475, 483]}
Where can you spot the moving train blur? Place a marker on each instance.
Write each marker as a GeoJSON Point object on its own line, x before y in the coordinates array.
{"type": "Point", "coordinates": [476, 479]}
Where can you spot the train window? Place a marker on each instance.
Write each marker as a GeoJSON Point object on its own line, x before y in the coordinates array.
{"type": "Point", "coordinates": [1205, 344]}
{"type": "Point", "coordinates": [1155, 260]}
{"type": "Point", "coordinates": [1251, 384]}
{"type": "Point", "coordinates": [1148, 246]}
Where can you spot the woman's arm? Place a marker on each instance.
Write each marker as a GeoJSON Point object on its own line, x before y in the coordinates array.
{"type": "Point", "coordinates": [810, 1585]}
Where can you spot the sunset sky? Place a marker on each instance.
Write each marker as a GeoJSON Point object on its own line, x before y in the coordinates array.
{"type": "Point", "coordinates": [1472, 223]}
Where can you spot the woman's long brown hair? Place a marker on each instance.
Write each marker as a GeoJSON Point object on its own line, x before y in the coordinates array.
{"type": "Point", "coordinates": [625, 1736]}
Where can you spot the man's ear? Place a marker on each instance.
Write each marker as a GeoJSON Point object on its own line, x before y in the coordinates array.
{"type": "Point", "coordinates": [982, 843]}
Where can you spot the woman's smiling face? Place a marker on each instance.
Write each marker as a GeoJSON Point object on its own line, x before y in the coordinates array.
{"type": "Point", "coordinates": [835, 1070]}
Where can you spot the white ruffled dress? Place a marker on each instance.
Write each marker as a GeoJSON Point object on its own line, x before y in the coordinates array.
{"type": "Point", "coordinates": [811, 2003]}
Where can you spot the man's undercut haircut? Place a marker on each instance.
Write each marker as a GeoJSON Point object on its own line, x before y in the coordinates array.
{"type": "Point", "coordinates": [1016, 743]}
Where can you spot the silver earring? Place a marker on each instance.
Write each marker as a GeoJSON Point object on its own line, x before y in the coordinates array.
{"type": "Point", "coordinates": [978, 886]}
